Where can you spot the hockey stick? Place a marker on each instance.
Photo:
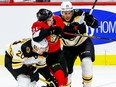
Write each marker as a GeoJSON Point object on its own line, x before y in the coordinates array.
{"type": "Point", "coordinates": [47, 82]}
{"type": "Point", "coordinates": [95, 37]}
{"type": "Point", "coordinates": [93, 7]}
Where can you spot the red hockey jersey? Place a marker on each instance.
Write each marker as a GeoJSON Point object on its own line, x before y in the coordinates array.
{"type": "Point", "coordinates": [38, 26]}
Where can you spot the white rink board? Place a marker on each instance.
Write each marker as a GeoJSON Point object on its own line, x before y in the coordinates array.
{"type": "Point", "coordinates": [16, 22]}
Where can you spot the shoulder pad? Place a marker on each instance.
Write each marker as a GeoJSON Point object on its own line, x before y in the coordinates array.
{"type": "Point", "coordinates": [78, 12]}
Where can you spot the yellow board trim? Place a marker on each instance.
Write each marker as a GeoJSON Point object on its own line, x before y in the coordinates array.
{"type": "Point", "coordinates": [100, 60]}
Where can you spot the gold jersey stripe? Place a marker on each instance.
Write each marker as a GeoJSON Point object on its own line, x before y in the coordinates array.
{"type": "Point", "coordinates": [83, 38]}
{"type": "Point", "coordinates": [25, 40]}
{"type": "Point", "coordinates": [76, 18]}
{"type": "Point", "coordinates": [16, 66]}
{"type": "Point", "coordinates": [10, 50]}
{"type": "Point", "coordinates": [17, 60]}
{"type": "Point", "coordinates": [62, 42]}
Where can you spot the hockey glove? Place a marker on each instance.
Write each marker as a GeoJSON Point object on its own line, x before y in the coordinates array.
{"type": "Point", "coordinates": [81, 29]}
{"type": "Point", "coordinates": [33, 73]}
{"type": "Point", "coordinates": [71, 27]}
{"type": "Point", "coordinates": [56, 30]}
{"type": "Point", "coordinates": [75, 27]}
{"type": "Point", "coordinates": [90, 20]}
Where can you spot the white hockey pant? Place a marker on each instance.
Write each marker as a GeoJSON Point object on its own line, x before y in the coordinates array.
{"type": "Point", "coordinates": [69, 79]}
{"type": "Point", "coordinates": [25, 81]}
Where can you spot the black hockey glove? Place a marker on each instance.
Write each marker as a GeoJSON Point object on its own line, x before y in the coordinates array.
{"type": "Point", "coordinates": [33, 73]}
{"type": "Point", "coordinates": [73, 24]}
{"type": "Point", "coordinates": [53, 82]}
{"type": "Point", "coordinates": [81, 28]}
{"type": "Point", "coordinates": [90, 20]}
{"type": "Point", "coordinates": [71, 27]}
{"type": "Point", "coordinates": [56, 30]}
{"type": "Point", "coordinates": [75, 27]}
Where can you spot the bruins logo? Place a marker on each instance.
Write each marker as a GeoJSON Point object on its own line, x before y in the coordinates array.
{"type": "Point", "coordinates": [28, 49]}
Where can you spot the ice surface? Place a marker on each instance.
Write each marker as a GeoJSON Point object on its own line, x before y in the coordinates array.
{"type": "Point", "coordinates": [103, 76]}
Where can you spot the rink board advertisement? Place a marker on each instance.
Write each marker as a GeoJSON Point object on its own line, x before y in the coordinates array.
{"type": "Point", "coordinates": [16, 22]}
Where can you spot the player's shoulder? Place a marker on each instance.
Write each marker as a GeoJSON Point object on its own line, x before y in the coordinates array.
{"type": "Point", "coordinates": [26, 47]}
{"type": "Point", "coordinates": [18, 47]}
{"type": "Point", "coordinates": [26, 43]}
{"type": "Point", "coordinates": [36, 23]}
{"type": "Point", "coordinates": [14, 48]}
{"type": "Point", "coordinates": [18, 44]}
{"type": "Point", "coordinates": [78, 12]}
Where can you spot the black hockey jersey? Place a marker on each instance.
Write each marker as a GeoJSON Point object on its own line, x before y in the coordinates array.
{"type": "Point", "coordinates": [78, 18]}
{"type": "Point", "coordinates": [19, 50]}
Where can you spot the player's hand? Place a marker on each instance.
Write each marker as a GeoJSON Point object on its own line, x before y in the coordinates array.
{"type": "Point", "coordinates": [89, 19]}
{"type": "Point", "coordinates": [56, 30]}
{"type": "Point", "coordinates": [73, 24]}
{"type": "Point", "coordinates": [33, 73]}
{"type": "Point", "coordinates": [71, 27]}
{"type": "Point", "coordinates": [81, 28]}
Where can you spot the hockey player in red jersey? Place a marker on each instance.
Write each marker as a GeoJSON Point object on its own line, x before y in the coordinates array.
{"type": "Point", "coordinates": [25, 59]}
{"type": "Point", "coordinates": [50, 26]}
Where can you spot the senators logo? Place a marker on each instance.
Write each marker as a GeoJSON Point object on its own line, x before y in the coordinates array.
{"type": "Point", "coordinates": [53, 38]}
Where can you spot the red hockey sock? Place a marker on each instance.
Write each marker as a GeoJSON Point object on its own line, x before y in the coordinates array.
{"type": "Point", "coordinates": [65, 81]}
{"type": "Point", "coordinates": [59, 75]}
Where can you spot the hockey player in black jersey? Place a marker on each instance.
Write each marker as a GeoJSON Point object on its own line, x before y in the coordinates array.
{"type": "Point", "coordinates": [76, 21]}
{"type": "Point", "coordinates": [25, 59]}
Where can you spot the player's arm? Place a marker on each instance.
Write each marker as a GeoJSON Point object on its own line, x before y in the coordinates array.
{"type": "Point", "coordinates": [8, 61]}
{"type": "Point", "coordinates": [40, 31]}
{"type": "Point", "coordinates": [90, 20]}
{"type": "Point", "coordinates": [58, 26]}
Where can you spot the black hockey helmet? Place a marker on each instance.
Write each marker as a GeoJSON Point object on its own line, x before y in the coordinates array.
{"type": "Point", "coordinates": [44, 14]}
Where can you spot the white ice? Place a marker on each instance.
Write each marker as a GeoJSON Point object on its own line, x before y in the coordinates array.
{"type": "Point", "coordinates": [103, 76]}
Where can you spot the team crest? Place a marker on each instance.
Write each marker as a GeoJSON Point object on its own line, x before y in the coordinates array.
{"type": "Point", "coordinates": [53, 38]}
{"type": "Point", "coordinates": [28, 49]}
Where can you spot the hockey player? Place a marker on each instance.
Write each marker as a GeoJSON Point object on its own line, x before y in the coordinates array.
{"type": "Point", "coordinates": [50, 26]}
{"type": "Point", "coordinates": [75, 22]}
{"type": "Point", "coordinates": [25, 59]}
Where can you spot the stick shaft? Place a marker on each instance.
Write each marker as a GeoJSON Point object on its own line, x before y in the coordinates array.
{"type": "Point", "coordinates": [93, 7]}
{"type": "Point", "coordinates": [95, 37]}
{"type": "Point", "coordinates": [47, 82]}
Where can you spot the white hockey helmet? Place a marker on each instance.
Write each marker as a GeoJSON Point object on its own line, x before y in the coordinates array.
{"type": "Point", "coordinates": [66, 6]}
{"type": "Point", "coordinates": [40, 47]}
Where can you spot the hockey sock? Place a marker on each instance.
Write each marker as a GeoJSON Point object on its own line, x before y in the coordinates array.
{"type": "Point", "coordinates": [87, 71]}
{"type": "Point", "coordinates": [59, 75]}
